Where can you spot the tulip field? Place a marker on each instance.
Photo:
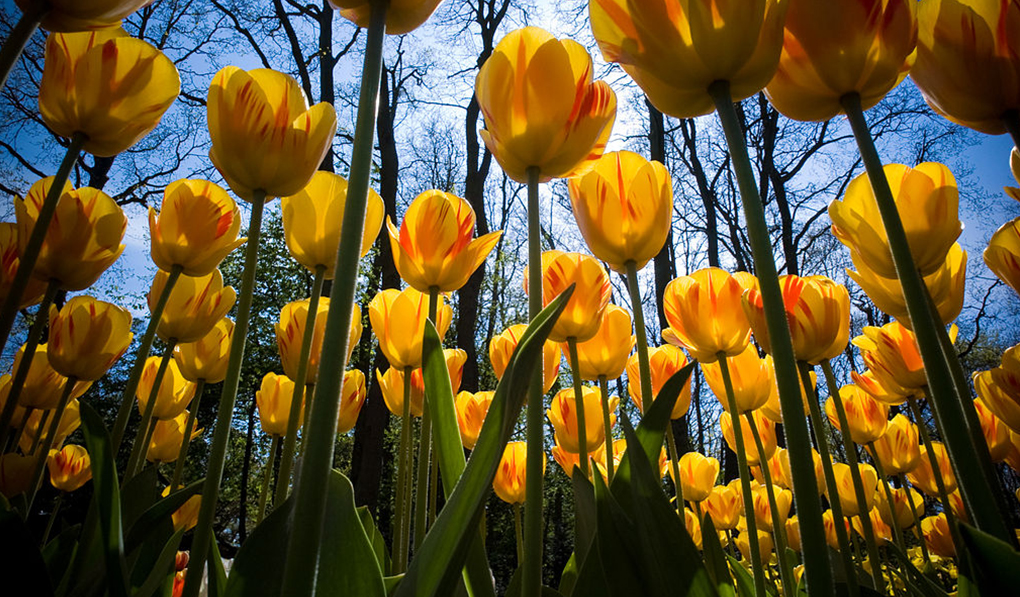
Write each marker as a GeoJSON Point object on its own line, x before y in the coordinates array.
{"type": "Point", "coordinates": [663, 400]}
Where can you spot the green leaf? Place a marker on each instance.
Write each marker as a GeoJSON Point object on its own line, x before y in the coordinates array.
{"type": "Point", "coordinates": [375, 538]}
{"type": "Point", "coordinates": [435, 569]}
{"type": "Point", "coordinates": [715, 559]}
{"type": "Point", "coordinates": [744, 581]}
{"type": "Point", "coordinates": [162, 568]}
{"type": "Point", "coordinates": [218, 576]}
{"type": "Point", "coordinates": [59, 553]}
{"type": "Point", "coordinates": [137, 495]}
{"type": "Point", "coordinates": [20, 558]}
{"type": "Point", "coordinates": [995, 564]}
{"type": "Point", "coordinates": [157, 514]}
{"type": "Point", "coordinates": [392, 582]}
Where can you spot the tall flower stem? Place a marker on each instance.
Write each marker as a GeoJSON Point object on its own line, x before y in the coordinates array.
{"type": "Point", "coordinates": [128, 395]}
{"type": "Point", "coordinates": [642, 335]}
{"type": "Point", "coordinates": [917, 519]}
{"type": "Point", "coordinates": [582, 428]}
{"type": "Point", "coordinates": [401, 537]}
{"type": "Point", "coordinates": [202, 540]}
{"type": "Point", "coordinates": [303, 548]}
{"type": "Point", "coordinates": [189, 427]}
{"type": "Point", "coordinates": [855, 474]}
{"type": "Point", "coordinates": [778, 526]}
{"type": "Point", "coordinates": [22, 32]}
{"type": "Point", "coordinates": [42, 454]}
{"type": "Point", "coordinates": [424, 481]}
{"type": "Point", "coordinates": [30, 254]}
{"type": "Point", "coordinates": [936, 473]}
{"type": "Point", "coordinates": [267, 478]}
{"type": "Point", "coordinates": [43, 421]}
{"type": "Point", "coordinates": [19, 430]}
{"type": "Point", "coordinates": [52, 519]}
{"type": "Point", "coordinates": [977, 488]}
{"type": "Point", "coordinates": [745, 478]}
{"type": "Point", "coordinates": [518, 533]}
{"type": "Point", "coordinates": [298, 397]}
{"type": "Point", "coordinates": [897, 531]}
{"type": "Point", "coordinates": [608, 426]}
{"type": "Point", "coordinates": [531, 575]}
{"type": "Point", "coordinates": [805, 488]}
{"type": "Point", "coordinates": [674, 465]}
{"type": "Point", "coordinates": [145, 428]}
{"type": "Point", "coordinates": [830, 481]}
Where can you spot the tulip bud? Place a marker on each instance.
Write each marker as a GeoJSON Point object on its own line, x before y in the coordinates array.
{"type": "Point", "coordinates": [455, 360]}
{"type": "Point", "coordinates": [196, 228]}
{"type": "Point", "coordinates": [511, 475]}
{"type": "Point", "coordinates": [195, 305]}
{"type": "Point", "coordinates": [664, 362]}
{"type": "Point", "coordinates": [87, 336]}
{"type": "Point", "coordinates": [502, 347]}
{"type": "Point", "coordinates": [70, 468]}
{"type": "Point", "coordinates": [207, 357]}
{"type": "Point", "coordinates": [563, 415]}
{"type": "Point", "coordinates": [274, 400]}
{"type": "Point", "coordinates": [398, 321]}
{"type": "Point", "coordinates": [882, 531]}
{"type": "Point", "coordinates": [705, 314]}
{"type": "Point", "coordinates": [471, 411]}
{"type": "Point", "coordinates": [352, 398]}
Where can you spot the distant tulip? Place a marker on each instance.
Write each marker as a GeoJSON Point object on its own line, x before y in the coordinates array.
{"type": "Point", "coordinates": [817, 310]}
{"type": "Point", "coordinates": [206, 358]}
{"type": "Point", "coordinates": [882, 390]}
{"type": "Point", "coordinates": [922, 476]}
{"type": "Point", "coordinates": [82, 241]}
{"type": "Point", "coordinates": [196, 228]}
{"type": "Point", "coordinates": [624, 208]}
{"type": "Point", "coordinates": [106, 85]}
{"type": "Point", "coordinates": [195, 305]}
{"type": "Point", "coordinates": [541, 108]}
{"type": "Point", "coordinates": [70, 467]}
{"type": "Point", "coordinates": [784, 463]}
{"type": "Point", "coordinates": [605, 354]}
{"type": "Point", "coordinates": [882, 531]}
{"type": "Point", "coordinates": [664, 362]}
{"type": "Point", "coordinates": [471, 411]}
{"type": "Point", "coordinates": [455, 359]}
{"type": "Point", "coordinates": [392, 385]}
{"type": "Point", "coordinates": [999, 388]}
{"type": "Point", "coordinates": [43, 385]}
{"type": "Point", "coordinates": [724, 505]}
{"type": "Point", "coordinates": [900, 512]}
{"type": "Point", "coordinates": [264, 136]}
{"type": "Point", "coordinates": [15, 473]}
{"type": "Point", "coordinates": [693, 527]}
{"type": "Point", "coordinates": [866, 417]}
{"type": "Point", "coordinates": [697, 475]}
{"type": "Point", "coordinates": [10, 258]}
{"type": "Point", "coordinates": [185, 517]}
{"type": "Point", "coordinates": [312, 218]}
{"type": "Point", "coordinates": [582, 316]}
{"type": "Point", "coordinates": [996, 433]}
{"type": "Point", "coordinates": [892, 355]}
{"type": "Point", "coordinates": [563, 415]}
{"type": "Point", "coordinates": [167, 438]}
{"type": "Point", "coordinates": [568, 461]}
{"type": "Point", "coordinates": [36, 428]}
{"type": "Point", "coordinates": [898, 449]}
{"type": "Point", "coordinates": [402, 16]}
{"type": "Point", "coordinates": [174, 394]}
{"type": "Point", "coordinates": [765, 545]}
{"type": "Point", "coordinates": [957, 506]}
{"type": "Point", "coordinates": [1003, 254]}
{"type": "Point", "coordinates": [830, 529]}
{"type": "Point", "coordinates": [938, 536]}
{"type": "Point", "coordinates": [290, 331]}
{"type": "Point", "coordinates": [753, 380]}
{"type": "Point", "coordinates": [502, 347]}
{"type": "Point", "coordinates": [775, 468]}
{"type": "Point", "coordinates": [793, 534]}
{"type": "Point", "coordinates": [511, 475]}
{"type": "Point", "coordinates": [762, 509]}
{"type": "Point", "coordinates": [273, 399]}
{"type": "Point", "coordinates": [87, 337]}
{"type": "Point", "coordinates": [5, 394]}
{"type": "Point", "coordinates": [352, 398]}
{"type": "Point", "coordinates": [73, 15]}
{"type": "Point", "coordinates": [765, 427]}
{"type": "Point", "coordinates": [398, 321]}
{"type": "Point", "coordinates": [771, 409]}
{"type": "Point", "coordinates": [847, 493]}
{"type": "Point", "coordinates": [705, 314]}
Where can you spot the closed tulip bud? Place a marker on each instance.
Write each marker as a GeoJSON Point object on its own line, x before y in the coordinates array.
{"type": "Point", "coordinates": [471, 411]}
{"type": "Point", "coordinates": [793, 534]}
{"type": "Point", "coordinates": [10, 258]}
{"type": "Point", "coordinates": [693, 526]}
{"type": "Point", "coordinates": [398, 320]}
{"type": "Point", "coordinates": [194, 307]}
{"type": "Point", "coordinates": [883, 390]}
{"type": "Point", "coordinates": [664, 362]}
{"type": "Point", "coordinates": [36, 427]}
{"type": "Point", "coordinates": [765, 545]}
{"type": "Point", "coordinates": [735, 42]}
{"type": "Point", "coordinates": [753, 380]}
{"type": "Point", "coordinates": [899, 513]}
{"type": "Point", "coordinates": [923, 477]}
{"type": "Point", "coordinates": [87, 337]}
{"type": "Point", "coordinates": [830, 529]}
{"type": "Point", "coordinates": [775, 467]}
{"type": "Point", "coordinates": [273, 399]}
{"type": "Point", "coordinates": [563, 415]}
{"type": "Point", "coordinates": [724, 506]}
{"type": "Point", "coordinates": [73, 15]}
{"type": "Point", "coordinates": [772, 409]}
{"type": "Point", "coordinates": [15, 473]}
{"type": "Point", "coordinates": [312, 218]}
{"type": "Point", "coordinates": [511, 476]}
{"type": "Point", "coordinates": [290, 332]}
{"type": "Point", "coordinates": [196, 228]}
{"type": "Point", "coordinates": [402, 16]}
{"type": "Point", "coordinates": [845, 488]}
{"type": "Point", "coordinates": [705, 314]}
{"type": "Point", "coordinates": [605, 354]}
{"type": "Point", "coordinates": [927, 201]}
{"type": "Point", "coordinates": [43, 386]}
{"type": "Point", "coordinates": [541, 108]}
{"type": "Point", "coordinates": [624, 208]}
{"type": "Point", "coordinates": [174, 394]}
{"type": "Point", "coordinates": [892, 355]}
{"type": "Point", "coordinates": [434, 247]}
{"type": "Point", "coordinates": [392, 385]}
{"type": "Point", "coordinates": [108, 86]}
{"type": "Point", "coordinates": [502, 347]}
{"type": "Point", "coordinates": [995, 431]}
{"type": "Point", "coordinates": [582, 315]}
{"type": "Point", "coordinates": [1003, 254]}
{"type": "Point", "coordinates": [938, 536]}
{"type": "Point", "coordinates": [784, 463]}
{"type": "Point", "coordinates": [70, 467]}
{"type": "Point", "coordinates": [832, 49]}
{"type": "Point", "coordinates": [186, 517]}
{"type": "Point", "coordinates": [352, 398]}
{"type": "Point", "coordinates": [167, 438]}
{"type": "Point", "coordinates": [882, 531]}
{"type": "Point", "coordinates": [264, 136]}
{"type": "Point", "coordinates": [817, 311]}
{"type": "Point", "coordinates": [866, 417]}
{"type": "Point", "coordinates": [762, 510]}
{"type": "Point", "coordinates": [999, 388]}
{"type": "Point", "coordinates": [82, 241]}
{"type": "Point", "coordinates": [697, 475]}
{"type": "Point", "coordinates": [207, 357]}
{"type": "Point", "coordinates": [765, 427]}
{"type": "Point", "coordinates": [898, 449]}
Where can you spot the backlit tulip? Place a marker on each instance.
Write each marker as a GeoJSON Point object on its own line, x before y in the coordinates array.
{"type": "Point", "coordinates": [765, 545]}
{"type": "Point", "coordinates": [398, 321]}
{"type": "Point", "coordinates": [1003, 254]}
{"type": "Point", "coordinates": [793, 533]}
{"type": "Point", "coordinates": [775, 468]}
{"type": "Point", "coordinates": [582, 315]}
{"type": "Point", "coordinates": [752, 378]}
{"type": "Point", "coordinates": [705, 314]}
{"type": "Point", "coordinates": [938, 536]}
{"type": "Point", "coordinates": [195, 305]}
{"type": "Point", "coordinates": [502, 347]}
{"type": "Point", "coordinates": [174, 394]}
{"type": "Point", "coordinates": [697, 475]}
{"type": "Point", "coordinates": [693, 527]}
{"type": "Point", "coordinates": [784, 463]}
{"type": "Point", "coordinates": [892, 355]}
{"type": "Point", "coordinates": [999, 388]}
{"type": "Point", "coordinates": [471, 411]}
{"type": "Point", "coordinates": [455, 359]}
{"type": "Point", "coordinates": [36, 428]}
{"type": "Point", "coordinates": [108, 86]}
{"type": "Point", "coordinates": [264, 135]}
{"type": "Point", "coordinates": [922, 476]}
{"type": "Point", "coordinates": [765, 427]}
{"type": "Point", "coordinates": [273, 400]}
{"type": "Point", "coordinates": [927, 201]}
{"type": "Point", "coordinates": [402, 16]}
{"type": "Point", "coordinates": [900, 512]}
{"type": "Point", "coordinates": [312, 218]}
{"type": "Point", "coordinates": [664, 362]}
{"type": "Point", "coordinates": [624, 208]}
{"type": "Point", "coordinates": [352, 398]}
{"type": "Point", "coordinates": [958, 507]}
{"type": "Point", "coordinates": [771, 409]}
{"type": "Point", "coordinates": [817, 311]}
{"type": "Point", "coordinates": [845, 488]}
{"type": "Point", "coordinates": [167, 438]}
{"type": "Point", "coordinates": [724, 505]}
{"type": "Point", "coordinates": [434, 247]}
{"type": "Point", "coordinates": [605, 354]}
{"type": "Point", "coordinates": [10, 258]}
{"type": "Point", "coordinates": [866, 417]}
{"type": "Point", "coordinates": [967, 60]}
{"type": "Point", "coordinates": [563, 415]}
{"type": "Point", "coordinates": [70, 467]}
{"type": "Point", "coordinates": [882, 531]}
{"type": "Point", "coordinates": [541, 108]}
{"type": "Point", "coordinates": [898, 449]}
{"type": "Point", "coordinates": [87, 336]}
{"type": "Point", "coordinates": [738, 42]}
{"type": "Point", "coordinates": [1013, 458]}
{"type": "Point", "coordinates": [82, 241]}
{"type": "Point", "coordinates": [5, 394]}
{"type": "Point", "coordinates": [830, 529]}
{"type": "Point", "coordinates": [75, 15]}
{"type": "Point", "coordinates": [831, 49]}
{"type": "Point", "coordinates": [185, 517]}
{"type": "Point", "coordinates": [995, 431]}
{"type": "Point", "coordinates": [290, 332]}
{"type": "Point", "coordinates": [392, 385]}
{"type": "Point", "coordinates": [43, 385]}
{"type": "Point", "coordinates": [511, 475]}
{"type": "Point", "coordinates": [196, 228]}
{"type": "Point", "coordinates": [15, 473]}
{"type": "Point", "coordinates": [568, 461]}
{"type": "Point", "coordinates": [206, 358]}
{"type": "Point", "coordinates": [762, 510]}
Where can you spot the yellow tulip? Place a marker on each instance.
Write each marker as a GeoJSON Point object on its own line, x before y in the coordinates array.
{"type": "Point", "coordinates": [605, 354]}
{"type": "Point", "coordinates": [87, 336]}
{"type": "Point", "coordinates": [664, 362]}
{"type": "Point", "coordinates": [273, 400]}
{"type": "Point", "coordinates": [455, 359]}
{"type": "Point", "coordinates": [739, 42]}
{"type": "Point", "coordinates": [167, 438]}
{"type": "Point", "coordinates": [892, 355]}
{"type": "Point", "coordinates": [174, 394]}
{"type": "Point", "coordinates": [36, 425]}
{"type": "Point", "coordinates": [502, 347]}
{"type": "Point", "coordinates": [1003, 254]}
{"type": "Point", "coordinates": [830, 529]}
{"type": "Point", "coordinates": [697, 475]}
{"type": "Point", "coordinates": [705, 314]}
{"type": "Point", "coordinates": [185, 517]}
{"type": "Point", "coordinates": [106, 85]}
{"type": "Point", "coordinates": [784, 463]}
{"type": "Point", "coordinates": [883, 390]}
{"type": "Point", "coordinates": [762, 510]}
{"type": "Point", "coordinates": [882, 531]}
{"type": "Point", "coordinates": [771, 409]}
{"type": "Point", "coordinates": [765, 427]}
{"type": "Point", "coordinates": [398, 321]}
{"type": "Point", "coordinates": [471, 411]}
{"type": "Point", "coordinates": [999, 388]}
{"type": "Point", "coordinates": [511, 476]}
{"type": "Point", "coordinates": [290, 332]}
{"type": "Point", "coordinates": [312, 218]}
{"type": "Point", "coordinates": [264, 136]}
{"type": "Point", "coordinates": [866, 417]}
{"type": "Point", "coordinates": [898, 449]}
{"type": "Point", "coordinates": [563, 415]}
{"type": "Point", "coordinates": [82, 241]}
{"type": "Point", "coordinates": [624, 207]}
{"type": "Point", "coordinates": [195, 305]}
{"type": "Point", "coordinates": [725, 506]}
{"type": "Point", "coordinates": [196, 228]}
{"type": "Point", "coordinates": [1013, 458]}
{"type": "Point", "coordinates": [831, 49]}
{"type": "Point", "coordinates": [900, 514]}
{"type": "Point", "coordinates": [541, 108]}
{"type": "Point", "coordinates": [923, 477]}
{"type": "Point", "coordinates": [938, 536]}
{"type": "Point", "coordinates": [927, 201]}
{"type": "Point", "coordinates": [433, 247]}
{"type": "Point", "coordinates": [10, 258]}
{"type": "Point", "coordinates": [392, 385]}
{"type": "Point", "coordinates": [764, 546]}
{"type": "Point", "coordinates": [74, 15]}
{"type": "Point", "coordinates": [582, 316]}
{"type": "Point", "coordinates": [568, 461]}
{"type": "Point", "coordinates": [43, 385]}
{"type": "Point", "coordinates": [70, 467]}
{"type": "Point", "coordinates": [793, 534]}
{"type": "Point", "coordinates": [845, 488]}
{"type": "Point", "coordinates": [775, 467]}
{"type": "Point", "coordinates": [753, 380]}
{"type": "Point", "coordinates": [5, 394]}
{"type": "Point", "coordinates": [996, 433]}
{"type": "Point", "coordinates": [693, 526]}
{"type": "Point", "coordinates": [402, 16]}
{"type": "Point", "coordinates": [15, 473]}
{"type": "Point", "coordinates": [207, 357]}
{"type": "Point", "coordinates": [957, 506]}
{"type": "Point", "coordinates": [352, 398]}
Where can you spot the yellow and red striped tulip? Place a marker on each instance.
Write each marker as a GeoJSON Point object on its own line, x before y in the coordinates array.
{"type": "Point", "coordinates": [866, 417]}
{"type": "Point", "coordinates": [892, 355]}
{"type": "Point", "coordinates": [87, 336]}
{"type": "Point", "coordinates": [697, 475]}
{"type": "Point", "coordinates": [1003, 254]}
{"type": "Point", "coordinates": [290, 332]}
{"type": "Point", "coordinates": [402, 16]}
{"type": "Point", "coordinates": [174, 393]}
{"type": "Point", "coordinates": [502, 347]}
{"type": "Point", "coordinates": [195, 305]}
{"type": "Point", "coordinates": [471, 411]}
{"type": "Point", "coordinates": [605, 353]}
{"type": "Point", "coordinates": [196, 228]}
{"type": "Point", "coordinates": [455, 360]}
{"type": "Point", "coordinates": [273, 399]}
{"type": "Point", "coordinates": [43, 385]}
{"type": "Point", "coordinates": [511, 477]}
{"type": "Point", "coordinates": [664, 362]}
{"type": "Point", "coordinates": [167, 438]}
{"type": "Point", "coordinates": [398, 320]}
{"type": "Point", "coordinates": [845, 488]}
{"type": "Point", "coordinates": [829, 524]}
{"type": "Point", "coordinates": [693, 526]}
{"type": "Point", "coordinates": [563, 415]}
{"type": "Point", "coordinates": [784, 463]}
{"type": "Point", "coordinates": [999, 388]}
{"type": "Point", "coordinates": [923, 477]}
{"type": "Point", "coordinates": [765, 427]}
{"type": "Point", "coordinates": [775, 468]}
{"type": "Point", "coordinates": [352, 398]}
{"type": "Point", "coordinates": [765, 545]}
{"type": "Point", "coordinates": [73, 15]}
{"type": "Point", "coordinates": [817, 311]}
{"type": "Point", "coordinates": [753, 380]}
{"type": "Point", "coordinates": [568, 461]}
{"type": "Point", "coordinates": [70, 467]}
{"type": "Point", "coordinates": [10, 258]}
{"type": "Point", "coordinates": [582, 315]}
{"type": "Point", "coordinates": [392, 385]}
{"type": "Point", "coordinates": [996, 433]}
{"type": "Point", "coordinates": [207, 357]}
{"type": "Point", "coordinates": [881, 530]}
{"type": "Point", "coordinates": [725, 506]}
{"type": "Point", "coordinates": [38, 423]}
{"type": "Point", "coordinates": [883, 390]}
{"type": "Point", "coordinates": [762, 510]}
{"type": "Point", "coordinates": [705, 314]}
{"type": "Point", "coordinates": [938, 536]}
{"type": "Point", "coordinates": [902, 499]}
{"type": "Point", "coordinates": [898, 449]}
{"type": "Point", "coordinates": [771, 409]}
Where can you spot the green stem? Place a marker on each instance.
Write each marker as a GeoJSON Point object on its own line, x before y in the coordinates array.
{"type": "Point", "coordinates": [805, 488]}
{"type": "Point", "coordinates": [399, 499]}
{"type": "Point", "coordinates": [917, 519]}
{"type": "Point", "coordinates": [582, 429]}
{"type": "Point", "coordinates": [518, 533]}
{"type": "Point", "coordinates": [52, 519]}
{"type": "Point", "coordinates": [936, 471]}
{"type": "Point", "coordinates": [407, 457]}
{"type": "Point", "coordinates": [531, 575]}
{"type": "Point", "coordinates": [201, 543]}
{"type": "Point", "coordinates": [51, 435]}
{"type": "Point", "coordinates": [422, 487]}
{"type": "Point", "coordinates": [127, 397]}
{"type": "Point", "coordinates": [778, 525]}
{"type": "Point", "coordinates": [978, 490]}
{"type": "Point", "coordinates": [182, 456]}
{"type": "Point", "coordinates": [745, 479]}
{"type": "Point", "coordinates": [433, 491]}
{"type": "Point", "coordinates": [607, 424]}
{"type": "Point", "coordinates": [674, 464]}
{"type": "Point", "coordinates": [43, 421]}
{"type": "Point", "coordinates": [642, 336]}
{"type": "Point", "coordinates": [298, 397]}
{"type": "Point", "coordinates": [267, 479]}
{"type": "Point", "coordinates": [22, 32]}
{"type": "Point", "coordinates": [145, 428]}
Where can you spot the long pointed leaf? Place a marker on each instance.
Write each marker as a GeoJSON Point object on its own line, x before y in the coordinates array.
{"type": "Point", "coordinates": [715, 559]}
{"type": "Point", "coordinates": [995, 565]}
{"type": "Point", "coordinates": [158, 513]}
{"type": "Point", "coordinates": [163, 568]}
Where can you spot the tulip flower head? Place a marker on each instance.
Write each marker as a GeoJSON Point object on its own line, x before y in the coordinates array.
{"type": "Point", "coordinates": [753, 380]}
{"type": "Point", "coordinates": [195, 305]}
{"type": "Point", "coordinates": [999, 388]}
{"type": "Point", "coordinates": [1003, 254]}
{"type": "Point", "coordinates": [995, 431]}
{"type": "Point", "coordinates": [705, 314]}
{"type": "Point", "coordinates": [392, 385]}
{"type": "Point", "coordinates": [568, 461]}
{"type": "Point", "coordinates": [290, 331]}
{"type": "Point", "coordinates": [693, 526]}
{"type": "Point", "coordinates": [582, 316]}
{"type": "Point", "coordinates": [185, 517]}
{"type": "Point", "coordinates": [605, 354]}
{"type": "Point", "coordinates": [784, 463]}
{"type": "Point", "coordinates": [725, 506]}
{"type": "Point", "coordinates": [502, 347]}
{"type": "Point", "coordinates": [398, 320]}
{"type": "Point", "coordinates": [882, 531]}
{"type": "Point", "coordinates": [541, 108]}
{"type": "Point", "coordinates": [38, 424]}
{"type": "Point", "coordinates": [793, 534]}
{"type": "Point", "coordinates": [762, 510]}
{"type": "Point", "coordinates": [471, 411]}
{"type": "Point", "coordinates": [167, 438]}
{"type": "Point", "coordinates": [87, 337]}
{"type": "Point", "coordinates": [898, 449]}
{"type": "Point", "coordinates": [207, 357]}
{"type": "Point", "coordinates": [900, 514]}
{"type": "Point", "coordinates": [74, 15]}
{"type": "Point", "coordinates": [845, 488]}
{"type": "Point", "coordinates": [772, 409]}
{"type": "Point", "coordinates": [938, 536]}
{"type": "Point", "coordinates": [511, 476]}
{"type": "Point", "coordinates": [765, 545]}
{"type": "Point", "coordinates": [196, 228]}
{"type": "Point", "coordinates": [455, 359]}
{"type": "Point", "coordinates": [352, 398]}
{"type": "Point", "coordinates": [563, 415]}
{"type": "Point", "coordinates": [829, 524]}
{"type": "Point", "coordinates": [765, 427]}
{"type": "Point", "coordinates": [174, 393]}
{"type": "Point", "coordinates": [70, 467]}
{"type": "Point", "coordinates": [664, 362]}
{"type": "Point", "coordinates": [892, 355]}
{"type": "Point", "coordinates": [866, 417]}
{"type": "Point", "coordinates": [402, 16]}
{"type": "Point", "coordinates": [43, 385]}
{"type": "Point", "coordinates": [273, 400]}
{"type": "Point", "coordinates": [264, 135]}
{"type": "Point", "coordinates": [10, 258]}
{"type": "Point", "coordinates": [775, 468]}
{"type": "Point", "coordinates": [697, 475]}
{"type": "Point", "coordinates": [923, 476]}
